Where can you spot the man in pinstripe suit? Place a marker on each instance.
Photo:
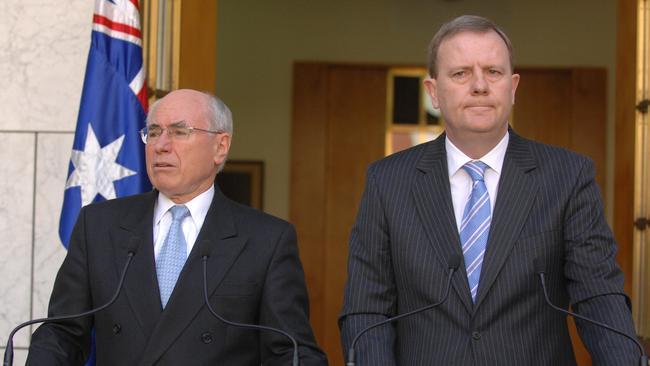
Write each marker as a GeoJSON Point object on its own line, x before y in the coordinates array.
{"type": "Point", "coordinates": [482, 193]}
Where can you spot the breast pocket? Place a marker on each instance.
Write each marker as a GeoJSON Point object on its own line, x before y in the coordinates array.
{"type": "Point", "coordinates": [238, 301]}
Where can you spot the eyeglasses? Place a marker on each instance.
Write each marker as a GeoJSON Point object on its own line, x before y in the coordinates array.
{"type": "Point", "coordinates": [176, 131]}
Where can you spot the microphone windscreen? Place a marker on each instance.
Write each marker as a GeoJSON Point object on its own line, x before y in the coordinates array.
{"type": "Point", "coordinates": [539, 266]}
{"type": "Point", "coordinates": [204, 247]}
{"type": "Point", "coordinates": [454, 261]}
{"type": "Point", "coordinates": [133, 245]}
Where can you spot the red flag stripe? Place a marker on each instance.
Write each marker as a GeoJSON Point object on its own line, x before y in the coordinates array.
{"type": "Point", "coordinates": [135, 3]}
{"type": "Point", "coordinates": [142, 97]}
{"type": "Point", "coordinates": [117, 26]}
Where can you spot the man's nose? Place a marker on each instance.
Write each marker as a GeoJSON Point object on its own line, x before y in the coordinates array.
{"type": "Point", "coordinates": [479, 83]}
{"type": "Point", "coordinates": [163, 142]}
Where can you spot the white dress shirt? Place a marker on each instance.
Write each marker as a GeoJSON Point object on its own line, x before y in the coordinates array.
{"type": "Point", "coordinates": [162, 219]}
{"type": "Point", "coordinates": [461, 183]}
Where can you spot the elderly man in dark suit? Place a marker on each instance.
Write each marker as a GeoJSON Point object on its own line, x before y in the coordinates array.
{"type": "Point", "coordinates": [255, 275]}
{"type": "Point", "coordinates": [483, 194]}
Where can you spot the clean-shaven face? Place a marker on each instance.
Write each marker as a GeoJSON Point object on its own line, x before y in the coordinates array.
{"type": "Point", "coordinates": [475, 86]}
{"type": "Point", "coordinates": [184, 168]}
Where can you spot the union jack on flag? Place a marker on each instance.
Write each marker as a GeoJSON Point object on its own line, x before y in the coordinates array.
{"type": "Point", "coordinates": [107, 155]}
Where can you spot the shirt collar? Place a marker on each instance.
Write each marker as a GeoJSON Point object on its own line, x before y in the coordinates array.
{"type": "Point", "coordinates": [494, 158]}
{"type": "Point", "coordinates": [198, 206]}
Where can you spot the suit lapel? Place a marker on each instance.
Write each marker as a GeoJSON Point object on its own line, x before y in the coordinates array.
{"type": "Point", "coordinates": [219, 235]}
{"type": "Point", "coordinates": [515, 197]}
{"type": "Point", "coordinates": [141, 284]}
{"type": "Point", "coordinates": [433, 203]}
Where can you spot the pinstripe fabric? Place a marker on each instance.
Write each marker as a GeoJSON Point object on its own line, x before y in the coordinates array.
{"type": "Point", "coordinates": [548, 207]}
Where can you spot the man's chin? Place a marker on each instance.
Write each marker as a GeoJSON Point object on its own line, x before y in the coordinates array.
{"type": "Point", "coordinates": [487, 127]}
{"type": "Point", "coordinates": [165, 186]}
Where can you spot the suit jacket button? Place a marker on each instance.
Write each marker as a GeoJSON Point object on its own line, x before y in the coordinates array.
{"type": "Point", "coordinates": [117, 328]}
{"type": "Point", "coordinates": [476, 335]}
{"type": "Point", "coordinates": [206, 337]}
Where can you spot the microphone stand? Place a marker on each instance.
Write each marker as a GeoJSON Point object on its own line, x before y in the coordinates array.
{"type": "Point", "coordinates": [453, 265]}
{"type": "Point", "coordinates": [9, 351]}
{"type": "Point", "coordinates": [643, 360]}
{"type": "Point", "coordinates": [204, 258]}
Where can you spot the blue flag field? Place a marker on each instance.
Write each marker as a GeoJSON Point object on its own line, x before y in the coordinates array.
{"type": "Point", "coordinates": [107, 158]}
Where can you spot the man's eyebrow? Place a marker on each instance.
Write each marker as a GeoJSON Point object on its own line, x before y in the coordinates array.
{"type": "Point", "coordinates": [180, 123]}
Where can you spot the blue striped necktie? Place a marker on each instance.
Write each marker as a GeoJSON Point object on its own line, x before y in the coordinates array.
{"type": "Point", "coordinates": [475, 226]}
{"type": "Point", "coordinates": [173, 254]}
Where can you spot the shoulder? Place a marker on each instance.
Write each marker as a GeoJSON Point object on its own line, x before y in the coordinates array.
{"type": "Point", "coordinates": [541, 149]}
{"type": "Point", "coordinates": [549, 156]}
{"type": "Point", "coordinates": [401, 162]}
{"type": "Point", "coordinates": [122, 204]}
{"type": "Point", "coordinates": [555, 169]}
{"type": "Point", "coordinates": [251, 220]}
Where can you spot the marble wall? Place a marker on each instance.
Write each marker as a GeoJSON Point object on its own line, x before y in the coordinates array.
{"type": "Point", "coordinates": [43, 50]}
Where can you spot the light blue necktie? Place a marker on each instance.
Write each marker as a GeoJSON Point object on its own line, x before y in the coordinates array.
{"type": "Point", "coordinates": [173, 254]}
{"type": "Point", "coordinates": [475, 226]}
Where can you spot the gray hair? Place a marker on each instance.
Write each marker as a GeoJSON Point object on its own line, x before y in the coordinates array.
{"type": "Point", "coordinates": [464, 23]}
{"type": "Point", "coordinates": [220, 119]}
{"type": "Point", "coordinates": [219, 115]}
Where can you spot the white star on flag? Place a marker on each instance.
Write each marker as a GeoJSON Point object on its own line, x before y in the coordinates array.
{"type": "Point", "coordinates": [95, 168]}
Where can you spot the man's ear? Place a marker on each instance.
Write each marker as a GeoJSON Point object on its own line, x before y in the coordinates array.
{"type": "Point", "coordinates": [431, 86]}
{"type": "Point", "coordinates": [221, 148]}
{"type": "Point", "coordinates": [515, 82]}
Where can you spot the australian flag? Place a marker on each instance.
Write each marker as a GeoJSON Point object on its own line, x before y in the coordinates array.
{"type": "Point", "coordinates": [107, 154]}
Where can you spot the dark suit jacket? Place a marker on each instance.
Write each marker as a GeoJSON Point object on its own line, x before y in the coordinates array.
{"type": "Point", "coordinates": [255, 276]}
{"type": "Point", "coordinates": [548, 207]}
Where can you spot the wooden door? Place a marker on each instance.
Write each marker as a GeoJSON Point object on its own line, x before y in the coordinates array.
{"type": "Point", "coordinates": [338, 129]}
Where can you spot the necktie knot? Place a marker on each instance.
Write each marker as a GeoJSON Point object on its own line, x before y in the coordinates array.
{"type": "Point", "coordinates": [179, 212]}
{"type": "Point", "coordinates": [475, 169]}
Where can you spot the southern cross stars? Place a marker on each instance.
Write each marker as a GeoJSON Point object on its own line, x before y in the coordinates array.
{"type": "Point", "coordinates": [95, 168]}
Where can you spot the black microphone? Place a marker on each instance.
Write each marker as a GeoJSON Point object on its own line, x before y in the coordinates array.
{"type": "Point", "coordinates": [205, 254]}
{"type": "Point", "coordinates": [541, 272]}
{"type": "Point", "coordinates": [454, 263]}
{"type": "Point", "coordinates": [9, 351]}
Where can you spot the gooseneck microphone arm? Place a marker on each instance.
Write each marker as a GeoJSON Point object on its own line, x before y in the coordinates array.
{"type": "Point", "coordinates": [205, 254]}
{"type": "Point", "coordinates": [9, 351]}
{"type": "Point", "coordinates": [454, 262]}
{"type": "Point", "coordinates": [541, 272]}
